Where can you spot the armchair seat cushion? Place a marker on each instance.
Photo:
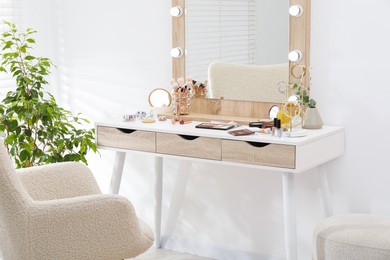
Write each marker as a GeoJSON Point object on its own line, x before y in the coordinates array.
{"type": "Point", "coordinates": [354, 236]}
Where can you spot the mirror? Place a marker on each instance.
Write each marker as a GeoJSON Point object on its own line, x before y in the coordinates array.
{"type": "Point", "coordinates": [266, 44]}
{"type": "Point", "coordinates": [248, 32]}
{"type": "Point", "coordinates": [160, 97]}
{"type": "Point", "coordinates": [159, 100]}
{"type": "Point", "coordinates": [273, 112]}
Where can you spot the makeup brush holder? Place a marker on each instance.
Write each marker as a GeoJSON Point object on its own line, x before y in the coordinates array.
{"type": "Point", "coordinates": [200, 92]}
{"type": "Point", "coordinates": [181, 103]}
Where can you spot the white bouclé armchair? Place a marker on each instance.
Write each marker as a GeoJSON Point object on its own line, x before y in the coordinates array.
{"type": "Point", "coordinates": [58, 212]}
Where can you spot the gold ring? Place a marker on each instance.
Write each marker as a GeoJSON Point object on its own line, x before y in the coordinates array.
{"type": "Point", "coordinates": [304, 70]}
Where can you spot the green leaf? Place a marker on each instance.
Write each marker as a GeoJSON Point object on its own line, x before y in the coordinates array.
{"type": "Point", "coordinates": [13, 125]}
{"type": "Point", "coordinates": [26, 79]}
{"type": "Point", "coordinates": [27, 147]}
{"type": "Point", "coordinates": [10, 55]}
{"type": "Point", "coordinates": [50, 110]}
{"type": "Point", "coordinates": [10, 139]}
{"type": "Point", "coordinates": [29, 57]}
{"type": "Point", "coordinates": [30, 40]}
{"type": "Point", "coordinates": [16, 73]}
{"type": "Point", "coordinates": [24, 155]}
{"type": "Point", "coordinates": [312, 103]}
{"type": "Point", "coordinates": [7, 45]}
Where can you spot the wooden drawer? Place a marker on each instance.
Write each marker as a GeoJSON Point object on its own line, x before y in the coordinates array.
{"type": "Point", "coordinates": [192, 146]}
{"type": "Point", "coordinates": [126, 139]}
{"type": "Point", "coordinates": [266, 154]}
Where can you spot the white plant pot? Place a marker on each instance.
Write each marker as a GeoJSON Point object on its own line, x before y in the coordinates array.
{"type": "Point", "coordinates": [312, 119]}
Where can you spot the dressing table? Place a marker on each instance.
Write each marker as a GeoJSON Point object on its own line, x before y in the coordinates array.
{"type": "Point", "coordinates": [286, 155]}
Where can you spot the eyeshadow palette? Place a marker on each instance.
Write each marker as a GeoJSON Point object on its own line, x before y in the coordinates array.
{"type": "Point", "coordinates": [215, 126]}
{"type": "Point", "coordinates": [241, 132]}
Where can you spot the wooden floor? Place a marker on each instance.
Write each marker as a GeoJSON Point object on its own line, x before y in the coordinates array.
{"type": "Point", "coordinates": [165, 254]}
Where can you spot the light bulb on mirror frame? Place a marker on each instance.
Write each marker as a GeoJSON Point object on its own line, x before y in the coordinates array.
{"type": "Point", "coordinates": [295, 55]}
{"type": "Point", "coordinates": [176, 11]}
{"type": "Point", "coordinates": [295, 10]}
{"type": "Point", "coordinates": [293, 99]}
{"type": "Point", "coordinates": [177, 52]}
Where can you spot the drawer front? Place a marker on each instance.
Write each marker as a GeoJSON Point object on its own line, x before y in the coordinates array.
{"type": "Point", "coordinates": [126, 139]}
{"type": "Point", "coordinates": [276, 155]}
{"type": "Point", "coordinates": [191, 146]}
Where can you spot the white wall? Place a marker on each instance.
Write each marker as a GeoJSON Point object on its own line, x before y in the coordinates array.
{"type": "Point", "coordinates": [111, 54]}
{"type": "Point", "coordinates": [350, 57]}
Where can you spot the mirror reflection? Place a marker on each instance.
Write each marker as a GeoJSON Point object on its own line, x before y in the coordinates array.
{"type": "Point", "coordinates": [248, 32]}
{"type": "Point", "coordinates": [247, 82]}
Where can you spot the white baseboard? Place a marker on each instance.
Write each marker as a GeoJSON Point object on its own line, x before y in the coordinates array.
{"type": "Point", "coordinates": [210, 250]}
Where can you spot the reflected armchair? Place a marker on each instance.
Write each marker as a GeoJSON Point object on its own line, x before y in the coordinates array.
{"type": "Point", "coordinates": [247, 82]}
{"type": "Point", "coordinates": [58, 212]}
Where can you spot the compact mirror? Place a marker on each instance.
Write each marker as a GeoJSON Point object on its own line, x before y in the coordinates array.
{"type": "Point", "coordinates": [160, 97]}
{"type": "Point", "coordinates": [273, 112]}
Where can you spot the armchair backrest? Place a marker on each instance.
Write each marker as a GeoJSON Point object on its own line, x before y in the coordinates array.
{"type": "Point", "coordinates": [14, 201]}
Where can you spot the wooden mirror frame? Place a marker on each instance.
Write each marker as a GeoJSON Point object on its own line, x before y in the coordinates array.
{"type": "Point", "coordinates": [299, 39]}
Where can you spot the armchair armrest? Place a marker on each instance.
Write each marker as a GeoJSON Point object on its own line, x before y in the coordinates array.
{"type": "Point", "coordinates": [103, 226]}
{"type": "Point", "coordinates": [58, 180]}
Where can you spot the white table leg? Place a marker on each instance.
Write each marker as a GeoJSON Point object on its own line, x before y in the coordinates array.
{"type": "Point", "coordinates": [158, 181]}
{"type": "Point", "coordinates": [177, 198]}
{"type": "Point", "coordinates": [289, 216]}
{"type": "Point", "coordinates": [116, 176]}
{"type": "Point", "coordinates": [323, 189]}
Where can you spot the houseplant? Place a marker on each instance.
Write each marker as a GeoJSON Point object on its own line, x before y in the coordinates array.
{"type": "Point", "coordinates": [36, 130]}
{"type": "Point", "coordinates": [312, 118]}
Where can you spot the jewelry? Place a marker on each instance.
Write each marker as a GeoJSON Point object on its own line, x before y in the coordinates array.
{"type": "Point", "coordinates": [128, 118]}
{"type": "Point", "coordinates": [297, 66]}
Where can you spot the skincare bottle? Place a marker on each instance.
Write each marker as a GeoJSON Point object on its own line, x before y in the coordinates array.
{"type": "Point", "coordinates": [274, 127]}
{"type": "Point", "coordinates": [277, 130]}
